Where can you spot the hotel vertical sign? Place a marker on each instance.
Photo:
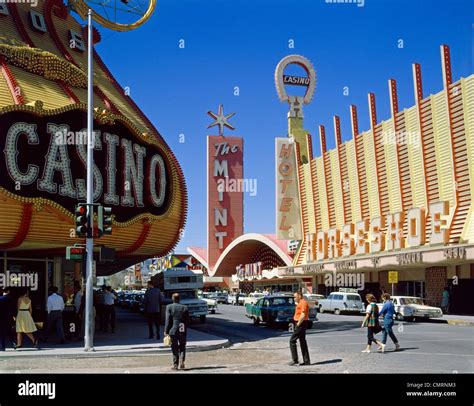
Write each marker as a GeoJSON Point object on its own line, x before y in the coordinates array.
{"type": "Point", "coordinates": [225, 196]}
{"type": "Point", "coordinates": [288, 215]}
{"type": "Point", "coordinates": [288, 206]}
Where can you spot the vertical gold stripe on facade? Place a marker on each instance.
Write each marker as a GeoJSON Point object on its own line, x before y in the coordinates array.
{"type": "Point", "coordinates": [444, 153]}
{"type": "Point", "coordinates": [353, 181]}
{"type": "Point", "coordinates": [384, 200]}
{"type": "Point", "coordinates": [393, 175]}
{"type": "Point", "coordinates": [467, 86]}
{"type": "Point", "coordinates": [309, 198]}
{"type": "Point", "coordinates": [346, 194]}
{"type": "Point", "coordinates": [314, 187]}
{"type": "Point", "coordinates": [415, 157]}
{"type": "Point", "coordinates": [322, 193]}
{"type": "Point", "coordinates": [336, 187]}
{"type": "Point", "coordinates": [460, 160]}
{"type": "Point", "coordinates": [371, 175]}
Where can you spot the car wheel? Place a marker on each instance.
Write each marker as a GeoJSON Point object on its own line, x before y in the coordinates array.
{"type": "Point", "coordinates": [400, 317]}
{"type": "Point", "coordinates": [321, 309]}
{"type": "Point", "coordinates": [337, 311]}
{"type": "Point", "coordinates": [256, 321]}
{"type": "Point", "coordinates": [213, 312]}
{"type": "Point", "coordinates": [202, 319]}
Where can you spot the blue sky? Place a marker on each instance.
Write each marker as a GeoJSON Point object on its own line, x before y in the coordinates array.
{"type": "Point", "coordinates": [232, 43]}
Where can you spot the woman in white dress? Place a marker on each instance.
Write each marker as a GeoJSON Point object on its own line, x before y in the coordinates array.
{"type": "Point", "coordinates": [24, 321]}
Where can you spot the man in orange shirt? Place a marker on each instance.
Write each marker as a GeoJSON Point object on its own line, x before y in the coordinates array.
{"type": "Point", "coordinates": [301, 321]}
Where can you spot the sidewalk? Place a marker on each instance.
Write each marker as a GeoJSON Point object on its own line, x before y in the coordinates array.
{"type": "Point", "coordinates": [457, 320]}
{"type": "Point", "coordinates": [130, 337]}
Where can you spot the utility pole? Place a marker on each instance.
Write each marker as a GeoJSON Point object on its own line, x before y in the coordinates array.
{"type": "Point", "coordinates": [89, 331]}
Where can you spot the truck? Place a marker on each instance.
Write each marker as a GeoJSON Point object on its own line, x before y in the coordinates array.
{"type": "Point", "coordinates": [186, 282]}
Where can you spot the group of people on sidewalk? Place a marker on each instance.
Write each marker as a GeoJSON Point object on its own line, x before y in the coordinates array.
{"type": "Point", "coordinates": [371, 321]}
{"type": "Point", "coordinates": [16, 316]}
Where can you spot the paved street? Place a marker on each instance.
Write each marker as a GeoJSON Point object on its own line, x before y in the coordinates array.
{"type": "Point", "coordinates": [335, 343]}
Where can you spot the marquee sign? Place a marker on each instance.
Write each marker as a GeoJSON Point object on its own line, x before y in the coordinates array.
{"type": "Point", "coordinates": [44, 158]}
{"type": "Point", "coordinates": [382, 234]}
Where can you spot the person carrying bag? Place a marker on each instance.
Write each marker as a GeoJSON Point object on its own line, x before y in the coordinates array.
{"type": "Point", "coordinates": [371, 321]}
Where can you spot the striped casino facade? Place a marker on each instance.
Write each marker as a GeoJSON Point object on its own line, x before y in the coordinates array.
{"type": "Point", "coordinates": [418, 163]}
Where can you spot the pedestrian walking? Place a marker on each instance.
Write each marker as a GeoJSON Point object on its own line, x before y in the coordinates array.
{"type": "Point", "coordinates": [388, 312]}
{"type": "Point", "coordinates": [55, 307]}
{"type": "Point", "coordinates": [100, 307]}
{"type": "Point", "coordinates": [371, 321]}
{"type": "Point", "coordinates": [237, 296]}
{"type": "Point", "coordinates": [109, 310]}
{"type": "Point", "coordinates": [445, 300]}
{"type": "Point", "coordinates": [24, 320]}
{"type": "Point", "coordinates": [176, 326]}
{"type": "Point", "coordinates": [7, 318]}
{"type": "Point", "coordinates": [77, 300]}
{"type": "Point", "coordinates": [152, 304]}
{"type": "Point", "coordinates": [301, 324]}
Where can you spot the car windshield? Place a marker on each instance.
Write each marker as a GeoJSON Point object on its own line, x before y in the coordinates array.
{"type": "Point", "coordinates": [282, 301]}
{"type": "Point", "coordinates": [411, 300]}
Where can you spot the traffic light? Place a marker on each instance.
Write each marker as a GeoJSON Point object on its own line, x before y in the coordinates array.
{"type": "Point", "coordinates": [104, 220]}
{"type": "Point", "coordinates": [81, 220]}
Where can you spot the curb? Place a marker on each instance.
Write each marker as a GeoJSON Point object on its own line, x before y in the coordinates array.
{"type": "Point", "coordinates": [113, 353]}
{"type": "Point", "coordinates": [460, 323]}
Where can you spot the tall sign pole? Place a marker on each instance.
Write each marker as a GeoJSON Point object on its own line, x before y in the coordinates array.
{"type": "Point", "coordinates": [288, 207]}
{"type": "Point", "coordinates": [89, 331]}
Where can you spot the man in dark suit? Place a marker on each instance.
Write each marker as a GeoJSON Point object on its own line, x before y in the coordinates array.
{"type": "Point", "coordinates": [177, 317]}
{"type": "Point", "coordinates": [7, 314]}
{"type": "Point", "coordinates": [152, 304]}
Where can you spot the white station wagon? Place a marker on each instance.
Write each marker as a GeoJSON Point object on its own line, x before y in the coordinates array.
{"type": "Point", "coordinates": [339, 302]}
{"type": "Point", "coordinates": [411, 307]}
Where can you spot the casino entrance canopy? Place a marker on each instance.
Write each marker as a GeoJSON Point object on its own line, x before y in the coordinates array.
{"type": "Point", "coordinates": [43, 100]}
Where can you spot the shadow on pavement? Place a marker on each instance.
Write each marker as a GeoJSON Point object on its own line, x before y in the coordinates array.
{"type": "Point", "coordinates": [204, 368]}
{"type": "Point", "coordinates": [325, 326]}
{"type": "Point", "coordinates": [329, 361]}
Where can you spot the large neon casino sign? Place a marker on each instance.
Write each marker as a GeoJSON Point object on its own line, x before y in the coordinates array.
{"type": "Point", "coordinates": [43, 159]}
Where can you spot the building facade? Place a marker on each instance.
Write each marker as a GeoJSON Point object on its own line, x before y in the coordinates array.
{"type": "Point", "coordinates": [395, 198]}
{"type": "Point", "coordinates": [43, 103]}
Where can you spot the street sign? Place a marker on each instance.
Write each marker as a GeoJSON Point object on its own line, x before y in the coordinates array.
{"type": "Point", "coordinates": [393, 277]}
{"type": "Point", "coordinates": [75, 253]}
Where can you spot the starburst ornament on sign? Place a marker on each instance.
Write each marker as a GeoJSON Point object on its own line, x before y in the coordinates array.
{"type": "Point", "coordinates": [221, 119]}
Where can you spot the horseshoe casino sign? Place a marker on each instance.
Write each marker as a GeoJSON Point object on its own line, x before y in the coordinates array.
{"type": "Point", "coordinates": [43, 143]}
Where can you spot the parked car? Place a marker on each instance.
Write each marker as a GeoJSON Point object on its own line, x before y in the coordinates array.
{"type": "Point", "coordinates": [252, 298]}
{"type": "Point", "coordinates": [231, 299]}
{"type": "Point", "coordinates": [313, 299]}
{"type": "Point", "coordinates": [274, 309]}
{"type": "Point", "coordinates": [410, 307]}
{"type": "Point", "coordinates": [127, 300]}
{"type": "Point", "coordinates": [211, 299]}
{"type": "Point", "coordinates": [221, 297]}
{"type": "Point", "coordinates": [137, 302]}
{"type": "Point", "coordinates": [339, 302]}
